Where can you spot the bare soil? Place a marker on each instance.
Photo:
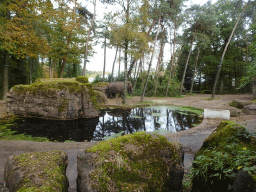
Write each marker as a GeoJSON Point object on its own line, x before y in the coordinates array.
{"type": "Point", "coordinates": [191, 140]}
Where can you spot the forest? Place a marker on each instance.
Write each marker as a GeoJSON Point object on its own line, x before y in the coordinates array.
{"type": "Point", "coordinates": [212, 46]}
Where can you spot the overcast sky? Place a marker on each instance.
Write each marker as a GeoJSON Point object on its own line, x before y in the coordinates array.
{"type": "Point", "coordinates": [97, 60]}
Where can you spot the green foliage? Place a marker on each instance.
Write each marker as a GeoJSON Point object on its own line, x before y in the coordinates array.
{"type": "Point", "coordinates": [223, 153]}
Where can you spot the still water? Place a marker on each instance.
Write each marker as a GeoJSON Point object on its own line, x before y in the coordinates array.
{"type": "Point", "coordinates": [111, 121]}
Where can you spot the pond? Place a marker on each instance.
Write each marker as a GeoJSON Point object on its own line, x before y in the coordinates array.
{"type": "Point", "coordinates": [160, 119]}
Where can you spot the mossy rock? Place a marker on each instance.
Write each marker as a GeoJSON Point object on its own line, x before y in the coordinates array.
{"type": "Point", "coordinates": [239, 103]}
{"type": "Point", "coordinates": [37, 171]}
{"type": "Point", "coordinates": [100, 96]}
{"type": "Point", "coordinates": [133, 162]}
{"type": "Point", "coordinates": [49, 86]}
{"type": "Point", "coordinates": [82, 79]}
{"type": "Point", "coordinates": [227, 150]}
{"type": "Point", "coordinates": [100, 84]}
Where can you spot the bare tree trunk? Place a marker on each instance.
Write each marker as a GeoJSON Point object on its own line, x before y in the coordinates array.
{"type": "Point", "coordinates": [138, 71]}
{"type": "Point", "coordinates": [176, 63]}
{"type": "Point", "coordinates": [223, 54]}
{"type": "Point", "coordinates": [50, 67]}
{"type": "Point", "coordinates": [119, 62]}
{"type": "Point", "coordinates": [104, 65]}
{"type": "Point", "coordinates": [30, 70]}
{"type": "Point", "coordinates": [159, 62]}
{"type": "Point", "coordinates": [5, 76]}
{"type": "Point", "coordinates": [88, 37]}
{"type": "Point", "coordinates": [183, 78]}
{"type": "Point", "coordinates": [194, 74]}
{"type": "Point", "coordinates": [113, 65]}
{"type": "Point", "coordinates": [145, 86]}
{"type": "Point", "coordinates": [125, 72]}
{"type": "Point", "coordinates": [172, 60]}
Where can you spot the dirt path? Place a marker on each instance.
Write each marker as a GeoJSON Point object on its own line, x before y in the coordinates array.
{"type": "Point", "coordinates": [191, 139]}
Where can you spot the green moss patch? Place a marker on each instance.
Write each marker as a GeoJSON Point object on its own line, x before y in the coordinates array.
{"type": "Point", "coordinates": [132, 162]}
{"type": "Point", "coordinates": [45, 171]}
{"type": "Point", "coordinates": [100, 84]}
{"type": "Point", "coordinates": [82, 79]}
{"type": "Point", "coordinates": [228, 149]}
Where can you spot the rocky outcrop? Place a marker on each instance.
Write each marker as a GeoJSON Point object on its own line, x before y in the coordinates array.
{"type": "Point", "coordinates": [240, 103]}
{"type": "Point", "coordinates": [58, 99]}
{"type": "Point", "coordinates": [37, 171]}
{"type": "Point", "coordinates": [133, 162]}
{"type": "Point", "coordinates": [250, 109]}
{"type": "Point", "coordinates": [227, 150]}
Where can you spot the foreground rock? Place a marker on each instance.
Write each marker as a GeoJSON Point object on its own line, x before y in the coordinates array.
{"type": "Point", "coordinates": [134, 162]}
{"type": "Point", "coordinates": [59, 99]}
{"type": "Point", "coordinates": [37, 171]}
{"type": "Point", "coordinates": [226, 151]}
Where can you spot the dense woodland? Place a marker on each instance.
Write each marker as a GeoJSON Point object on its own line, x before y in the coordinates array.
{"type": "Point", "coordinates": [213, 46]}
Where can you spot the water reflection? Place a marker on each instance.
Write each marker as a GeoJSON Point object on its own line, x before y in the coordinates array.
{"type": "Point", "coordinates": [111, 121]}
{"type": "Point", "coordinates": [143, 119]}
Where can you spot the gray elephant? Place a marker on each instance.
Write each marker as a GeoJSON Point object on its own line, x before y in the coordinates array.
{"type": "Point", "coordinates": [117, 87]}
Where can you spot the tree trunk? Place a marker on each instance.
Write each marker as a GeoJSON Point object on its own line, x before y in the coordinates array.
{"type": "Point", "coordinates": [30, 70]}
{"type": "Point", "coordinates": [113, 65]}
{"type": "Point", "coordinates": [104, 65]}
{"type": "Point", "coordinates": [134, 86]}
{"type": "Point", "coordinates": [125, 71]}
{"type": "Point", "coordinates": [183, 78]}
{"type": "Point", "coordinates": [50, 67]}
{"type": "Point", "coordinates": [145, 86]}
{"type": "Point", "coordinates": [119, 62]}
{"type": "Point", "coordinates": [131, 67]}
{"type": "Point", "coordinates": [5, 76]}
{"type": "Point", "coordinates": [172, 60]}
{"type": "Point", "coordinates": [194, 74]}
{"type": "Point", "coordinates": [159, 61]}
{"type": "Point", "coordinates": [88, 38]}
{"type": "Point", "coordinates": [221, 84]}
{"type": "Point", "coordinates": [223, 54]}
{"type": "Point", "coordinates": [176, 63]}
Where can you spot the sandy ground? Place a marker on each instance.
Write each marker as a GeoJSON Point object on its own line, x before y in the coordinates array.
{"type": "Point", "coordinates": [191, 140]}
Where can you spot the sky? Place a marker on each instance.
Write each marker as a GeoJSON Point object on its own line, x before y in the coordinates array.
{"type": "Point", "coordinates": [97, 60]}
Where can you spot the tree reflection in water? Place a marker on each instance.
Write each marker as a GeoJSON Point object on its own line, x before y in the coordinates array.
{"type": "Point", "coordinates": [111, 121]}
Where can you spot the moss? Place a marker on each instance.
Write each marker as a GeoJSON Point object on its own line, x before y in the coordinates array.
{"type": "Point", "coordinates": [228, 132]}
{"type": "Point", "coordinates": [48, 88]}
{"type": "Point", "coordinates": [82, 79]}
{"type": "Point", "coordinates": [47, 166]}
{"type": "Point", "coordinates": [100, 84]}
{"type": "Point", "coordinates": [132, 169]}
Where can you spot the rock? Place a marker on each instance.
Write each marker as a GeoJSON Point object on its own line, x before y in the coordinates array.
{"type": "Point", "coordinates": [133, 162]}
{"type": "Point", "coordinates": [254, 89]}
{"type": "Point", "coordinates": [234, 112]}
{"type": "Point", "coordinates": [250, 109]}
{"type": "Point", "coordinates": [240, 103]}
{"type": "Point", "coordinates": [244, 182]}
{"type": "Point", "coordinates": [58, 99]}
{"type": "Point", "coordinates": [42, 171]}
{"type": "Point", "coordinates": [220, 157]}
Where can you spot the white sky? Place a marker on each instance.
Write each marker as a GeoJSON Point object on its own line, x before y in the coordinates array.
{"type": "Point", "coordinates": [97, 60]}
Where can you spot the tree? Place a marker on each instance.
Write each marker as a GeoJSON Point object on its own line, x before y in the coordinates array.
{"type": "Point", "coordinates": [225, 49]}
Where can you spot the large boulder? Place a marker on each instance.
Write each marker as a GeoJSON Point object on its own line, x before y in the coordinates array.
{"type": "Point", "coordinates": [250, 109]}
{"type": "Point", "coordinates": [133, 162]}
{"type": "Point", "coordinates": [227, 150]}
{"type": "Point", "coordinates": [58, 99]}
{"type": "Point", "coordinates": [37, 171]}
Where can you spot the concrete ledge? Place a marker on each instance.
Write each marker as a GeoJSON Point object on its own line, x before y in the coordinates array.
{"type": "Point", "coordinates": [225, 114]}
